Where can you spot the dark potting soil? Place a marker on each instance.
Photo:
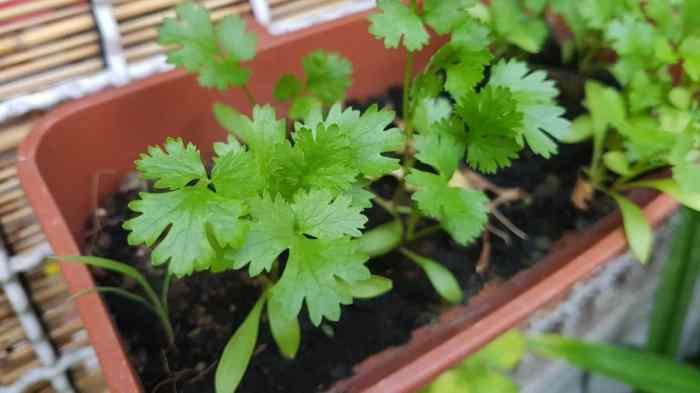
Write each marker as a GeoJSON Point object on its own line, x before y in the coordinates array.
{"type": "Point", "coordinates": [207, 308]}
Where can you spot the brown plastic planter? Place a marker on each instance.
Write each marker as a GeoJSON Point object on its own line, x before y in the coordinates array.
{"type": "Point", "coordinates": [79, 153]}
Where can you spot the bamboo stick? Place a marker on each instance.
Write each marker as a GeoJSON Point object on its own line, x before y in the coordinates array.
{"type": "Point", "coordinates": [11, 196]}
{"type": "Point", "coordinates": [47, 33]}
{"type": "Point", "coordinates": [14, 205]}
{"type": "Point", "coordinates": [29, 242]}
{"type": "Point", "coordinates": [62, 58]}
{"type": "Point", "coordinates": [11, 137]}
{"type": "Point", "coordinates": [301, 6]}
{"type": "Point", "coordinates": [45, 18]}
{"type": "Point", "coordinates": [8, 185]}
{"type": "Point", "coordinates": [8, 172]}
{"type": "Point", "coordinates": [17, 215]}
{"type": "Point", "coordinates": [156, 18]}
{"type": "Point", "coordinates": [33, 6]}
{"type": "Point", "coordinates": [23, 233]}
{"type": "Point", "coordinates": [44, 80]}
{"type": "Point", "coordinates": [49, 48]}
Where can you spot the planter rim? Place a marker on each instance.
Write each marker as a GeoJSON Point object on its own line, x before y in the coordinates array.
{"type": "Point", "coordinates": [493, 316]}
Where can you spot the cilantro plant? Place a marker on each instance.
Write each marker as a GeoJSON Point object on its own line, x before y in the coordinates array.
{"type": "Point", "coordinates": [652, 122]}
{"type": "Point", "coordinates": [286, 203]}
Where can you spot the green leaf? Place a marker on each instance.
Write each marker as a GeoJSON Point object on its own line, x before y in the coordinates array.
{"type": "Point", "coordinates": [445, 16]}
{"type": "Point", "coordinates": [676, 288]}
{"type": "Point", "coordinates": [581, 129]}
{"type": "Point", "coordinates": [637, 228]}
{"type": "Point", "coordinates": [606, 106]}
{"type": "Point", "coordinates": [463, 213]}
{"type": "Point", "coordinates": [464, 67]}
{"type": "Point", "coordinates": [322, 216]}
{"type": "Point", "coordinates": [172, 167]}
{"type": "Point", "coordinates": [373, 287]}
{"type": "Point", "coordinates": [617, 162]}
{"type": "Point", "coordinates": [516, 26]}
{"type": "Point", "coordinates": [503, 353]}
{"type": "Point", "coordinates": [441, 149]}
{"type": "Point", "coordinates": [271, 232]}
{"type": "Point", "coordinates": [285, 331]}
{"type": "Point", "coordinates": [303, 106]}
{"type": "Point", "coordinates": [672, 188]}
{"type": "Point", "coordinates": [288, 88]}
{"type": "Point", "coordinates": [327, 158]}
{"type": "Point", "coordinates": [494, 123]}
{"type": "Point", "coordinates": [215, 54]}
{"type": "Point", "coordinates": [687, 174]}
{"type": "Point", "coordinates": [238, 351]}
{"type": "Point", "coordinates": [237, 175]}
{"type": "Point", "coordinates": [396, 21]}
{"type": "Point", "coordinates": [380, 240]}
{"type": "Point", "coordinates": [429, 112]}
{"type": "Point", "coordinates": [313, 273]}
{"type": "Point", "coordinates": [359, 194]}
{"type": "Point", "coordinates": [690, 52]}
{"type": "Point", "coordinates": [188, 215]}
{"type": "Point", "coordinates": [235, 40]}
{"type": "Point", "coordinates": [472, 34]}
{"type": "Point", "coordinates": [640, 370]}
{"type": "Point", "coordinates": [442, 279]}
{"type": "Point", "coordinates": [369, 138]}
{"type": "Point", "coordinates": [535, 96]}
{"type": "Point", "coordinates": [328, 75]}
{"type": "Point", "coordinates": [259, 133]}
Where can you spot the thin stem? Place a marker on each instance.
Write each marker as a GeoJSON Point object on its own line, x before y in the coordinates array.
{"type": "Point", "coordinates": [249, 95]}
{"type": "Point", "coordinates": [620, 183]}
{"type": "Point", "coordinates": [425, 232]}
{"type": "Point", "coordinates": [161, 311]}
{"type": "Point", "coordinates": [117, 291]}
{"type": "Point", "coordinates": [164, 292]}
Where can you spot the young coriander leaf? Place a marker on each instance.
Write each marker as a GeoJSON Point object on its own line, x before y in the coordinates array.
{"type": "Point", "coordinates": [690, 52]}
{"type": "Point", "coordinates": [328, 76]}
{"type": "Point", "coordinates": [396, 21]}
{"type": "Point", "coordinates": [215, 54]}
{"type": "Point", "coordinates": [314, 273]}
{"type": "Point", "coordinates": [172, 167]}
{"type": "Point", "coordinates": [322, 216]}
{"type": "Point", "coordinates": [462, 213]}
{"type": "Point", "coordinates": [237, 175]}
{"type": "Point", "coordinates": [464, 67]}
{"type": "Point", "coordinates": [535, 96]}
{"type": "Point", "coordinates": [288, 88]}
{"type": "Point", "coordinates": [494, 128]}
{"type": "Point", "coordinates": [369, 138]}
{"type": "Point", "coordinates": [511, 21]}
{"type": "Point", "coordinates": [444, 16]}
{"type": "Point", "coordinates": [189, 215]}
{"type": "Point", "coordinates": [441, 149]}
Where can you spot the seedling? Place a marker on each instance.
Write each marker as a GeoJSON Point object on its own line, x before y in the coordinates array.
{"type": "Point", "coordinates": [288, 207]}
{"type": "Point", "coordinates": [653, 122]}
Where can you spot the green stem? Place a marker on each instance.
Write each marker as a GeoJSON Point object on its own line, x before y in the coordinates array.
{"type": "Point", "coordinates": [164, 292]}
{"type": "Point", "coordinates": [620, 183]}
{"type": "Point", "coordinates": [161, 311]}
{"type": "Point", "coordinates": [249, 95]}
{"type": "Point", "coordinates": [425, 232]}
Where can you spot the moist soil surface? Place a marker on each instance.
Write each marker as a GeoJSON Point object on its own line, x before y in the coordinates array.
{"type": "Point", "coordinates": [207, 308]}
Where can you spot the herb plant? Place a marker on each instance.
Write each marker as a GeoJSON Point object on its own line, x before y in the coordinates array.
{"type": "Point", "coordinates": [652, 121]}
{"type": "Point", "coordinates": [286, 203]}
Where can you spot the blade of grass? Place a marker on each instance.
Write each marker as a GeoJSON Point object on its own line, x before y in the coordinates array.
{"type": "Point", "coordinates": [675, 291]}
{"type": "Point", "coordinates": [641, 370]}
{"type": "Point", "coordinates": [117, 291]}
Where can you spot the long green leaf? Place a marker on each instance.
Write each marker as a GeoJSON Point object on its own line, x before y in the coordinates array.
{"type": "Point", "coordinates": [285, 331]}
{"type": "Point", "coordinates": [675, 291]}
{"type": "Point", "coordinates": [637, 228]}
{"type": "Point", "coordinates": [117, 291]}
{"type": "Point", "coordinates": [638, 369]}
{"type": "Point", "coordinates": [380, 240]}
{"type": "Point", "coordinates": [370, 288]}
{"type": "Point", "coordinates": [111, 265]}
{"type": "Point", "coordinates": [239, 350]}
{"type": "Point", "coordinates": [672, 188]}
{"type": "Point", "coordinates": [442, 279]}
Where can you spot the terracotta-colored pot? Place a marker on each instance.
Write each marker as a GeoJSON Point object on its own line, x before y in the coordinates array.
{"type": "Point", "coordinates": [79, 153]}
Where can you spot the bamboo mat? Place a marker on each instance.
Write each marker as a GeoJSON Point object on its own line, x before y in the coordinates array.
{"type": "Point", "coordinates": [48, 292]}
{"type": "Point", "coordinates": [44, 42]}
